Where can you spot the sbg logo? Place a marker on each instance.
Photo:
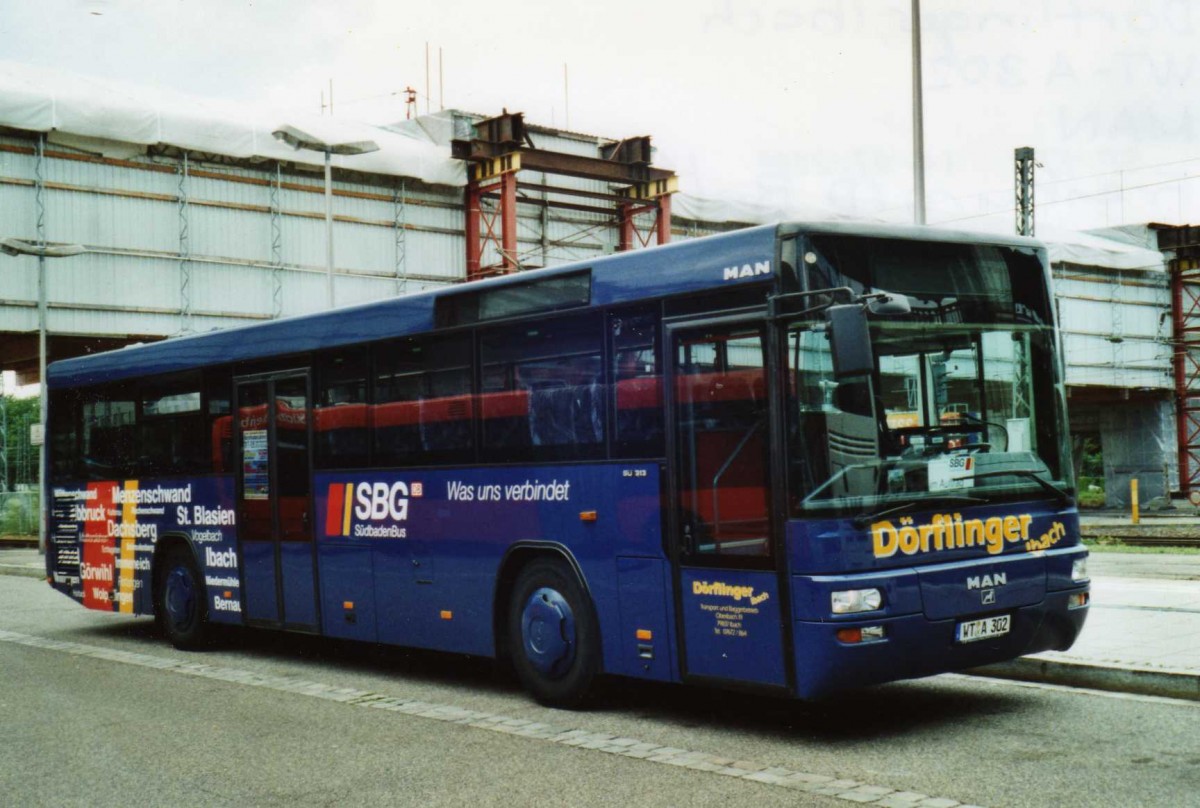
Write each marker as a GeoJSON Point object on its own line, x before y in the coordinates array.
{"type": "Point", "coordinates": [366, 502]}
{"type": "Point", "coordinates": [378, 501]}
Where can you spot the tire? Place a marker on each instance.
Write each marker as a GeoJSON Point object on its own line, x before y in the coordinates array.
{"type": "Point", "coordinates": [181, 605]}
{"type": "Point", "coordinates": [553, 635]}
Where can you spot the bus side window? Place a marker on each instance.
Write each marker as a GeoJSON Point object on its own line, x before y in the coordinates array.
{"type": "Point", "coordinates": [109, 432]}
{"type": "Point", "coordinates": [422, 401]}
{"type": "Point", "coordinates": [218, 421]}
{"type": "Point", "coordinates": [170, 425]}
{"type": "Point", "coordinates": [542, 395]}
{"type": "Point", "coordinates": [64, 433]}
{"type": "Point", "coordinates": [341, 417]}
{"type": "Point", "coordinates": [637, 384]}
{"type": "Point", "coordinates": [723, 449]}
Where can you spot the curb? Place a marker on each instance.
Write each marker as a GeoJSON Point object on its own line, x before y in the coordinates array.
{"type": "Point", "coordinates": [22, 571]}
{"type": "Point", "coordinates": [1168, 683]}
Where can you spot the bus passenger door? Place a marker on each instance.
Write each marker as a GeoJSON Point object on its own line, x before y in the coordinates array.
{"type": "Point", "coordinates": [722, 534]}
{"type": "Point", "coordinates": [274, 436]}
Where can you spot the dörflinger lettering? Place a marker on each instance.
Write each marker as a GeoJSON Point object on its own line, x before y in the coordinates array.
{"type": "Point", "coordinates": [951, 532]}
{"type": "Point", "coordinates": [725, 590]}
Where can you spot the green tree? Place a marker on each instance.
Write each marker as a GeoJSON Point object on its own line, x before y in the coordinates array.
{"type": "Point", "coordinates": [22, 457]}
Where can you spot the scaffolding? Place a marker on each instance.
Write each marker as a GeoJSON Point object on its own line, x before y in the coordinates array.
{"type": "Point", "coordinates": [501, 154]}
{"type": "Point", "coordinates": [1184, 267]}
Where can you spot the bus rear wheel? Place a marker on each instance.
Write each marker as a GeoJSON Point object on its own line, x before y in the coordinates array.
{"type": "Point", "coordinates": [553, 637]}
{"type": "Point", "coordinates": [181, 606]}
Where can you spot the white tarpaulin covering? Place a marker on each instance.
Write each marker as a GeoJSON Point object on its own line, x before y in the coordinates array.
{"type": "Point", "coordinates": [107, 117]}
{"type": "Point", "coordinates": [1117, 250]}
{"type": "Point", "coordinates": [1092, 250]}
{"type": "Point", "coordinates": [720, 211]}
{"type": "Point", "coordinates": [119, 120]}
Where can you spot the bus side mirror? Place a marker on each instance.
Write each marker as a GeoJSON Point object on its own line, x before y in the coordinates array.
{"type": "Point", "coordinates": [849, 340]}
{"type": "Point", "coordinates": [888, 303]}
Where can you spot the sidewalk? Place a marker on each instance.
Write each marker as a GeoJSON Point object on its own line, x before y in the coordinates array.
{"type": "Point", "coordinates": [18, 560]}
{"type": "Point", "coordinates": [1142, 635]}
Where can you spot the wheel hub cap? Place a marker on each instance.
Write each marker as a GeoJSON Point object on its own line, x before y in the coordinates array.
{"type": "Point", "coordinates": [180, 597]}
{"type": "Point", "coordinates": [548, 632]}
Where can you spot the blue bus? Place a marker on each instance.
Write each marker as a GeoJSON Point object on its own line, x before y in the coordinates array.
{"type": "Point", "coordinates": [793, 459]}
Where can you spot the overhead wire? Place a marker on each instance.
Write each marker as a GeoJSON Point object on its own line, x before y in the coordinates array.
{"type": "Point", "coordinates": [1042, 183]}
{"type": "Point", "coordinates": [1121, 190]}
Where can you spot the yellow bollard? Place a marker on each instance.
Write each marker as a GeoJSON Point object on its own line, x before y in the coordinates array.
{"type": "Point", "coordinates": [1133, 500]}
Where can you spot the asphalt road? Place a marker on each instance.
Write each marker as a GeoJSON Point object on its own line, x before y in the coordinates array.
{"type": "Point", "coordinates": [95, 708]}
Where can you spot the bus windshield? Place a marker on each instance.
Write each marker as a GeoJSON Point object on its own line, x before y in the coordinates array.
{"type": "Point", "coordinates": [964, 402]}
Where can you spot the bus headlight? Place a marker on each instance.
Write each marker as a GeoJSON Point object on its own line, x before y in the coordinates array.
{"type": "Point", "coordinates": [856, 600]}
{"type": "Point", "coordinates": [1079, 569]}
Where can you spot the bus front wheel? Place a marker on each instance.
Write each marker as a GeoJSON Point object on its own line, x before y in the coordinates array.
{"type": "Point", "coordinates": [553, 638]}
{"type": "Point", "coordinates": [181, 608]}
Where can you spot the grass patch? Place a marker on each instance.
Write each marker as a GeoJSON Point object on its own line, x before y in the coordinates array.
{"type": "Point", "coordinates": [1111, 544]}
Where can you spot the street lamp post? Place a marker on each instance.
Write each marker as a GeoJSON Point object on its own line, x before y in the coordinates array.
{"type": "Point", "coordinates": [918, 102]}
{"type": "Point", "coordinates": [330, 144]}
{"type": "Point", "coordinates": [43, 250]}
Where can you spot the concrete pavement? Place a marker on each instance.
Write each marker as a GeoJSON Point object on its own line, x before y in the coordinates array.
{"type": "Point", "coordinates": [18, 560]}
{"type": "Point", "coordinates": [1142, 635]}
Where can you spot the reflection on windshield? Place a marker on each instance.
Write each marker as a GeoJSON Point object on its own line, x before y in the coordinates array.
{"type": "Point", "coordinates": [951, 410]}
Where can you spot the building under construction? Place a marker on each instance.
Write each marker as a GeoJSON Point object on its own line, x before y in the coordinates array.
{"type": "Point", "coordinates": [193, 216]}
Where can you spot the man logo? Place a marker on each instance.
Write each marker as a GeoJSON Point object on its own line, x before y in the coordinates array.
{"type": "Point", "coordinates": [988, 596]}
{"type": "Point", "coordinates": [987, 581]}
{"type": "Point", "coordinates": [736, 273]}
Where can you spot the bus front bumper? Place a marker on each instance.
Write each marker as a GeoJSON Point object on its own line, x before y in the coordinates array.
{"type": "Point", "coordinates": [913, 645]}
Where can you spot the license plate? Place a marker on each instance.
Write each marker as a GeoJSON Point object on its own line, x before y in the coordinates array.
{"type": "Point", "coordinates": [984, 629]}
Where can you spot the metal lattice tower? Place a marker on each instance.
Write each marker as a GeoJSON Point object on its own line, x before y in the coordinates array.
{"type": "Point", "coordinates": [1022, 397]}
{"type": "Point", "coordinates": [1024, 165]}
{"type": "Point", "coordinates": [185, 269]}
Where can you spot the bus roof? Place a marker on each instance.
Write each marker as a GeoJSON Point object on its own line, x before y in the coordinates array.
{"type": "Point", "coordinates": [685, 267]}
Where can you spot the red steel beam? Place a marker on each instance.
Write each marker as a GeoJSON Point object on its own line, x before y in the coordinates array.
{"type": "Point", "coordinates": [663, 219]}
{"type": "Point", "coordinates": [473, 236]}
{"type": "Point", "coordinates": [1185, 293]}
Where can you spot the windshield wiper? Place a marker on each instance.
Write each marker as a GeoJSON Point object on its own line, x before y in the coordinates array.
{"type": "Point", "coordinates": [842, 472]}
{"type": "Point", "coordinates": [862, 520]}
{"type": "Point", "coordinates": [1059, 494]}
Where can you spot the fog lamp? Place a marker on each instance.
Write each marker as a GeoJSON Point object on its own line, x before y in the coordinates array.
{"type": "Point", "coordinates": [853, 636]}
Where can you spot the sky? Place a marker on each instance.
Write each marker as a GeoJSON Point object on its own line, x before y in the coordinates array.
{"type": "Point", "coordinates": [803, 104]}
